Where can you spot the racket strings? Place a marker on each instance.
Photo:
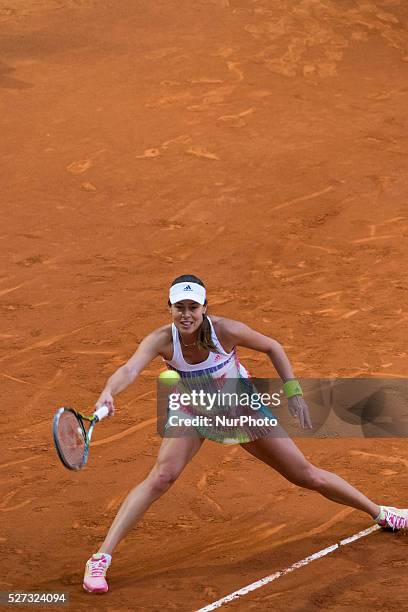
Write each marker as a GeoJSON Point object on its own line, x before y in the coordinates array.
{"type": "Point", "coordinates": [71, 440]}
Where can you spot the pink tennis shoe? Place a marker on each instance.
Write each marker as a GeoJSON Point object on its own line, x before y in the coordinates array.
{"type": "Point", "coordinates": [393, 518]}
{"type": "Point", "coordinates": [95, 572]}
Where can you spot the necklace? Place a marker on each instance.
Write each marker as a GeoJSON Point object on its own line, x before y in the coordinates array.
{"type": "Point", "coordinates": [187, 345]}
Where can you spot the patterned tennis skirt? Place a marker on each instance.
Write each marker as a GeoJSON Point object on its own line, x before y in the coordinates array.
{"type": "Point", "coordinates": [222, 409]}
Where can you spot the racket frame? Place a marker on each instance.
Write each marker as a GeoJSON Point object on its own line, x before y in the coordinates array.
{"type": "Point", "coordinates": [98, 415]}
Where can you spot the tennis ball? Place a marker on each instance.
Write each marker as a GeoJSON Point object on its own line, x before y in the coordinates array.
{"type": "Point", "coordinates": [169, 377]}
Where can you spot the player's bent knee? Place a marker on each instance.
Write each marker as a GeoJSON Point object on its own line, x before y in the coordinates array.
{"type": "Point", "coordinates": [162, 478]}
{"type": "Point", "coordinates": [309, 478]}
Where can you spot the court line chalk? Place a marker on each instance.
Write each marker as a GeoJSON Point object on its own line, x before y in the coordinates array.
{"type": "Point", "coordinates": [263, 581]}
{"type": "Point", "coordinates": [10, 463]}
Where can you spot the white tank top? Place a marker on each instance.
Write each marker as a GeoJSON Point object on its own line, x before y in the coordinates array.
{"type": "Point", "coordinates": [212, 375]}
{"type": "Point", "coordinates": [217, 365]}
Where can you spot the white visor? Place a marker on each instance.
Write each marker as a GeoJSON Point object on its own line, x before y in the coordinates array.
{"type": "Point", "coordinates": [187, 291]}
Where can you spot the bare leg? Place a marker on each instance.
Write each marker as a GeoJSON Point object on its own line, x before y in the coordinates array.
{"type": "Point", "coordinates": [173, 456]}
{"type": "Point", "coordinates": [284, 456]}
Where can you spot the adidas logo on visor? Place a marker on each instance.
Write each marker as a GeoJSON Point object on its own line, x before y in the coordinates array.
{"type": "Point", "coordinates": [187, 288]}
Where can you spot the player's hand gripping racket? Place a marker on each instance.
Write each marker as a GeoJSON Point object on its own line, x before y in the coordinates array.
{"type": "Point", "coordinates": [71, 438]}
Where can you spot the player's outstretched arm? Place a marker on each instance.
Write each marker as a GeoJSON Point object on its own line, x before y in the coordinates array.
{"type": "Point", "coordinates": [147, 350]}
{"type": "Point", "coordinates": [240, 334]}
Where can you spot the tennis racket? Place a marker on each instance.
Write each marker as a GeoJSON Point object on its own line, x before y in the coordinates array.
{"type": "Point", "coordinates": [71, 438]}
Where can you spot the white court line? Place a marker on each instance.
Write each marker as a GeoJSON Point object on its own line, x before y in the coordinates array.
{"type": "Point", "coordinates": [272, 577]}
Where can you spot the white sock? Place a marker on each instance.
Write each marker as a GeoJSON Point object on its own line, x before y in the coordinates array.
{"type": "Point", "coordinates": [377, 518]}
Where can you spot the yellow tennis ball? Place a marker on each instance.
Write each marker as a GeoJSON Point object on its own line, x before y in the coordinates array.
{"type": "Point", "coordinates": [169, 377]}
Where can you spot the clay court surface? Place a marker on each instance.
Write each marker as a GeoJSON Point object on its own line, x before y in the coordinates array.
{"type": "Point", "coordinates": [262, 146]}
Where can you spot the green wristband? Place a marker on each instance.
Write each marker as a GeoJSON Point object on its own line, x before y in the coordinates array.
{"type": "Point", "coordinates": [291, 388]}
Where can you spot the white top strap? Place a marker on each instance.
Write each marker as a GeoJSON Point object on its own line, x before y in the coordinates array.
{"type": "Point", "coordinates": [177, 352]}
{"type": "Point", "coordinates": [216, 341]}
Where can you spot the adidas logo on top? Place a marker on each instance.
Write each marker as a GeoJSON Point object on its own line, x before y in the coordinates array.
{"type": "Point", "coordinates": [187, 288]}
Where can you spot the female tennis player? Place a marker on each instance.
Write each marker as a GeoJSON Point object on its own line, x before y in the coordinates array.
{"type": "Point", "coordinates": [196, 345]}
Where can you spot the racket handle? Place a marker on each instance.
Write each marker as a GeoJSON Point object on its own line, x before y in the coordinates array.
{"type": "Point", "coordinates": [102, 412]}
